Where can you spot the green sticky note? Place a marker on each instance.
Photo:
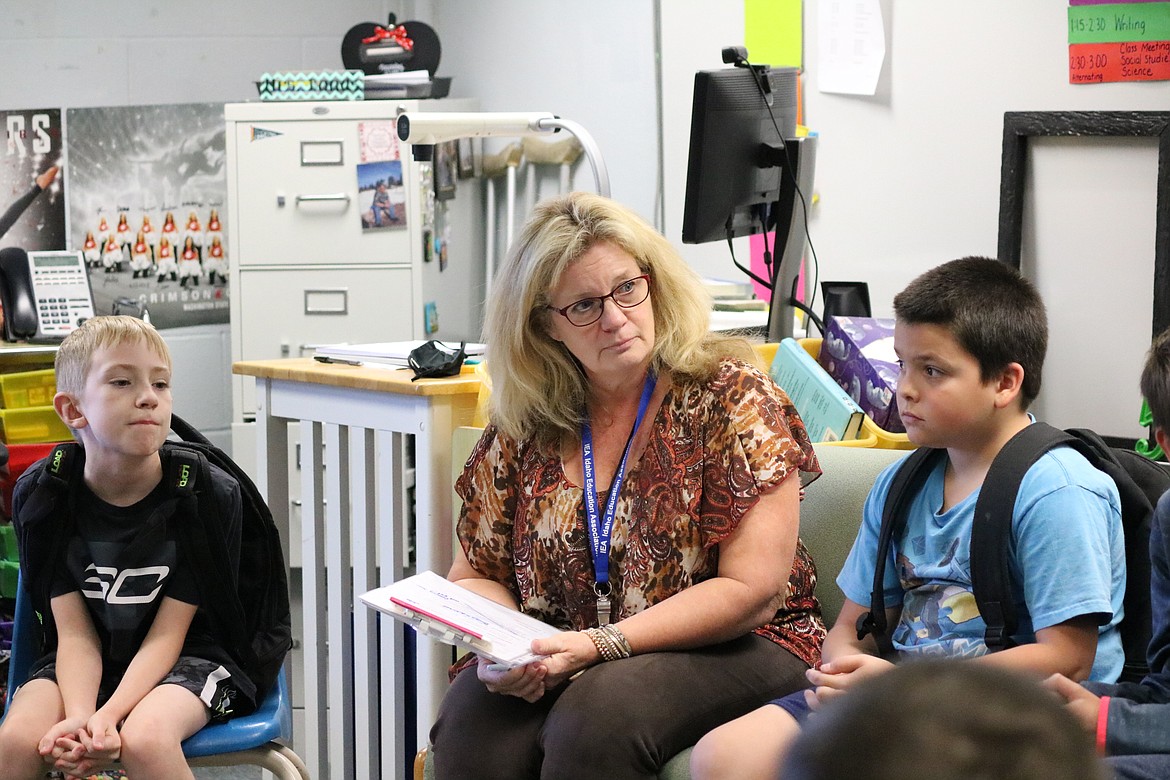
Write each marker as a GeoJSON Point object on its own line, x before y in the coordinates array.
{"type": "Point", "coordinates": [773, 32]}
{"type": "Point", "coordinates": [1118, 22]}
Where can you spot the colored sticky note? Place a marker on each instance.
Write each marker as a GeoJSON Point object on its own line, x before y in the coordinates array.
{"type": "Point", "coordinates": [1109, 2]}
{"type": "Point", "coordinates": [1090, 63]}
{"type": "Point", "coordinates": [773, 32]}
{"type": "Point", "coordinates": [1115, 22]}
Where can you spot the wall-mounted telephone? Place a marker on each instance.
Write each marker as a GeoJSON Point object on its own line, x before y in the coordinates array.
{"type": "Point", "coordinates": [46, 295]}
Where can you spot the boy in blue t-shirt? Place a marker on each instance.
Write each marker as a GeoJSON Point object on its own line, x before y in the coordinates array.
{"type": "Point", "coordinates": [971, 336]}
{"type": "Point", "coordinates": [1131, 721]}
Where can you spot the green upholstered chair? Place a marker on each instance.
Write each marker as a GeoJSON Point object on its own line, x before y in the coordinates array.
{"type": "Point", "coordinates": [829, 517]}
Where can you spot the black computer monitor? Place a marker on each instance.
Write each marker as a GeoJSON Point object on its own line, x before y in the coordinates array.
{"type": "Point", "coordinates": [743, 166]}
{"type": "Point", "coordinates": [734, 171]}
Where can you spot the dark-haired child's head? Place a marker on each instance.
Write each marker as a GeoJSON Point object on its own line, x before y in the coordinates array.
{"type": "Point", "coordinates": [1155, 381]}
{"type": "Point", "coordinates": [993, 313]}
{"type": "Point", "coordinates": [945, 719]}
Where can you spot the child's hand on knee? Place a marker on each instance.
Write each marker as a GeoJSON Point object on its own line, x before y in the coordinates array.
{"type": "Point", "coordinates": [64, 730]}
{"type": "Point", "coordinates": [67, 755]}
{"type": "Point", "coordinates": [835, 677]}
{"type": "Point", "coordinates": [101, 739]}
{"type": "Point", "coordinates": [67, 750]}
{"type": "Point", "coordinates": [96, 746]}
{"type": "Point", "coordinates": [75, 764]}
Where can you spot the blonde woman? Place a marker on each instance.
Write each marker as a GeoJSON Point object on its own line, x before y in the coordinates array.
{"type": "Point", "coordinates": [638, 487]}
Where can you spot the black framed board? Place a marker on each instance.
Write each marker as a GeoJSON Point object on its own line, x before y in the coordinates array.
{"type": "Point", "coordinates": [1021, 126]}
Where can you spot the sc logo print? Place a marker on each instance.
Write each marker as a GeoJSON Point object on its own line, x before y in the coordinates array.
{"type": "Point", "coordinates": [109, 583]}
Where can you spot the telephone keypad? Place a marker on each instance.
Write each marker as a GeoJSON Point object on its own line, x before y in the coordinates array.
{"type": "Point", "coordinates": [62, 292]}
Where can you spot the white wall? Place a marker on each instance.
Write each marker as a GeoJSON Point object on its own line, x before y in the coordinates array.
{"type": "Point", "coordinates": [909, 178]}
{"type": "Point", "coordinates": [694, 33]}
{"type": "Point", "coordinates": [592, 63]}
{"type": "Point", "coordinates": [76, 53]}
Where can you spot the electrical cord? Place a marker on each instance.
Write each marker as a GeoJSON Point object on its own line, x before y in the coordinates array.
{"type": "Point", "coordinates": [808, 311]}
{"type": "Point", "coordinates": [768, 256]}
{"type": "Point", "coordinates": [748, 271]}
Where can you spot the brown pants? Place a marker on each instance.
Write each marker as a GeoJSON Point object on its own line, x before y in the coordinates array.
{"type": "Point", "coordinates": [621, 719]}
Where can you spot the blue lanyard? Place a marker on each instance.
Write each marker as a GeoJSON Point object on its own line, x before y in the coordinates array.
{"type": "Point", "coordinates": [600, 528]}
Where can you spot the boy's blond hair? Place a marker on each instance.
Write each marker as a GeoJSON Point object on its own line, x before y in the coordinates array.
{"type": "Point", "coordinates": [76, 352]}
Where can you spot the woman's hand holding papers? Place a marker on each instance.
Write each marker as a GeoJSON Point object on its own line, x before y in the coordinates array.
{"type": "Point", "coordinates": [525, 682]}
{"type": "Point", "coordinates": [567, 654]}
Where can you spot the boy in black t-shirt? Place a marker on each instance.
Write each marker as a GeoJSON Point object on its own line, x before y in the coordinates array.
{"type": "Point", "coordinates": [134, 669]}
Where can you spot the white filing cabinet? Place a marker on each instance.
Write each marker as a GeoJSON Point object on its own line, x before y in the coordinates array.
{"type": "Point", "coordinates": [303, 270]}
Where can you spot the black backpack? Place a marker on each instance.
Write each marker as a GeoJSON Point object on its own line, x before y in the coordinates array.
{"type": "Point", "coordinates": [249, 607]}
{"type": "Point", "coordinates": [1140, 483]}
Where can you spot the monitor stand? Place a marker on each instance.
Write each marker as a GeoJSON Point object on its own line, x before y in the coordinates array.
{"type": "Point", "coordinates": [790, 231]}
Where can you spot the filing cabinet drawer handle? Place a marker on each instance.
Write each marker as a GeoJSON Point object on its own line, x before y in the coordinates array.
{"type": "Point", "coordinates": [329, 300]}
{"type": "Point", "coordinates": [340, 196]}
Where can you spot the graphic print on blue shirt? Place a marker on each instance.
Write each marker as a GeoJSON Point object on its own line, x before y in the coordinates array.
{"type": "Point", "coordinates": [938, 605]}
{"type": "Point", "coordinates": [1065, 505]}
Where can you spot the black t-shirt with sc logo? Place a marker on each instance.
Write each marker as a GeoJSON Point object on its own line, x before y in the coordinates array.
{"type": "Point", "coordinates": [123, 561]}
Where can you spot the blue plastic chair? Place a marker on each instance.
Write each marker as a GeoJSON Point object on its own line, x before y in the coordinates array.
{"type": "Point", "coordinates": [255, 739]}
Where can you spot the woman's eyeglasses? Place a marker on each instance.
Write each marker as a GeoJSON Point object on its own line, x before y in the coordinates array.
{"type": "Point", "coordinates": [627, 295]}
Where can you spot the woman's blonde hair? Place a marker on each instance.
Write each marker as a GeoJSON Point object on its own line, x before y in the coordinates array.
{"type": "Point", "coordinates": [76, 352]}
{"type": "Point", "coordinates": [538, 389]}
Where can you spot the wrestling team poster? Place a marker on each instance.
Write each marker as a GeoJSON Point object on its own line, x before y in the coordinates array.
{"type": "Point", "coordinates": [147, 195]}
{"type": "Point", "coordinates": [31, 216]}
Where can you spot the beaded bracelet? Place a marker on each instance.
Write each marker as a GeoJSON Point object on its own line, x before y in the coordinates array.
{"type": "Point", "coordinates": [603, 643]}
{"type": "Point", "coordinates": [610, 642]}
{"type": "Point", "coordinates": [619, 639]}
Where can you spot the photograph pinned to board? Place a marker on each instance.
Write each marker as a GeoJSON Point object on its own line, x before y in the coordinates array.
{"type": "Point", "coordinates": [381, 196]}
{"type": "Point", "coordinates": [467, 157]}
{"type": "Point", "coordinates": [446, 162]}
{"type": "Point", "coordinates": [441, 244]}
{"type": "Point", "coordinates": [377, 141]}
{"type": "Point", "coordinates": [381, 193]}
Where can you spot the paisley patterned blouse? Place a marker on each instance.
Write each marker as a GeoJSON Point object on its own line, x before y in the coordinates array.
{"type": "Point", "coordinates": [714, 447]}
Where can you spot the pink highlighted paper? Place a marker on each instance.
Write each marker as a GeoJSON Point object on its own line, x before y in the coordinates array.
{"type": "Point", "coordinates": [758, 268]}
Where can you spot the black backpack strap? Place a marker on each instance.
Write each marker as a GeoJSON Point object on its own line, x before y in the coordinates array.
{"type": "Point", "coordinates": [63, 466]}
{"type": "Point", "coordinates": [1134, 484]}
{"type": "Point", "coordinates": [189, 476]}
{"type": "Point", "coordinates": [991, 529]}
{"type": "Point", "coordinates": [43, 519]}
{"type": "Point", "coordinates": [907, 481]}
{"type": "Point", "coordinates": [1140, 483]}
{"type": "Point", "coordinates": [183, 470]}
{"type": "Point", "coordinates": [187, 432]}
